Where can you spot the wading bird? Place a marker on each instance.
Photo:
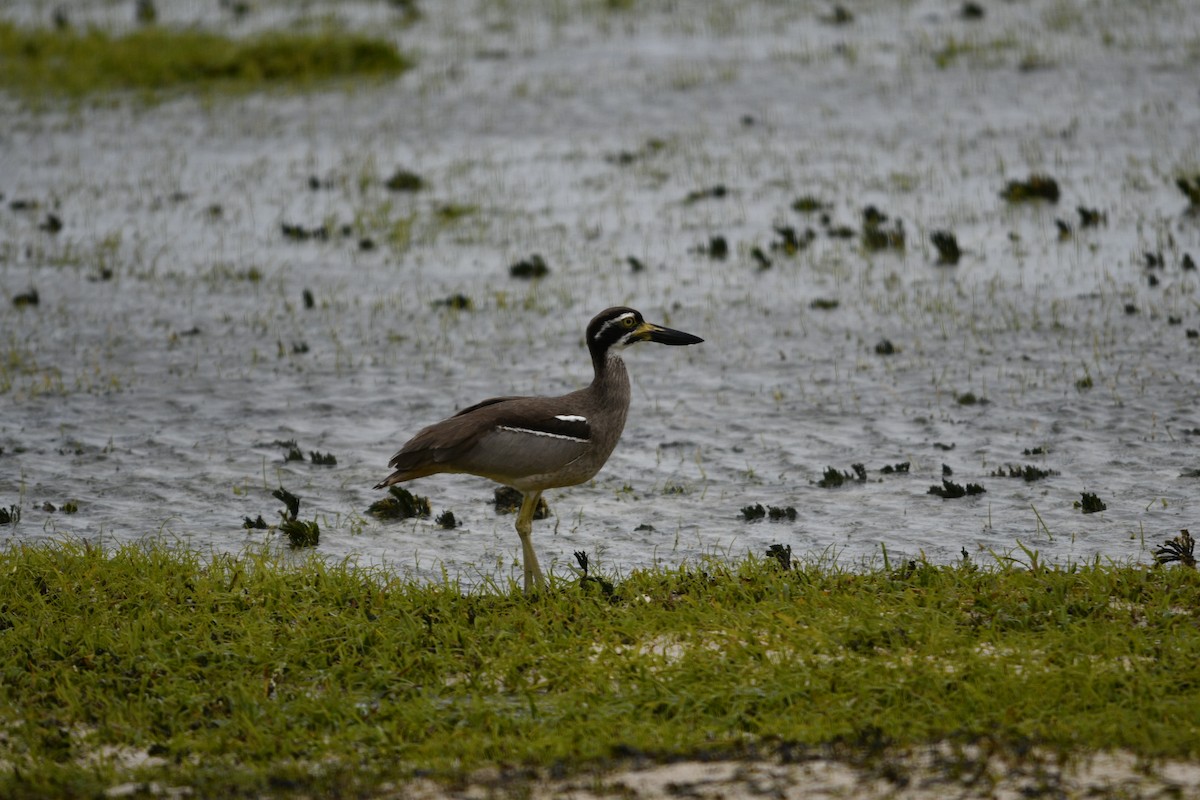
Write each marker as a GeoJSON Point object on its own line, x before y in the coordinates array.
{"type": "Point", "coordinates": [538, 443]}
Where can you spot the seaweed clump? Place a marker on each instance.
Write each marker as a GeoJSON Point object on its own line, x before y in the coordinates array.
{"type": "Point", "coordinates": [782, 553]}
{"type": "Point", "coordinates": [1190, 186]}
{"type": "Point", "coordinates": [1182, 549]}
{"type": "Point", "coordinates": [400, 503]}
{"type": "Point", "coordinates": [1037, 187]}
{"type": "Point", "coordinates": [789, 242]}
{"type": "Point", "coordinates": [403, 180]}
{"type": "Point", "coordinates": [1029, 473]}
{"type": "Point", "coordinates": [530, 268]}
{"type": "Point", "coordinates": [1090, 503]}
{"type": "Point", "coordinates": [507, 500]}
{"type": "Point", "coordinates": [949, 490]}
{"type": "Point", "coordinates": [947, 247]}
{"type": "Point", "coordinates": [875, 236]}
{"type": "Point", "coordinates": [711, 193]}
{"type": "Point", "coordinates": [717, 248]}
{"type": "Point", "coordinates": [834, 478]}
{"type": "Point", "coordinates": [299, 532]}
{"type": "Point", "coordinates": [757, 512]}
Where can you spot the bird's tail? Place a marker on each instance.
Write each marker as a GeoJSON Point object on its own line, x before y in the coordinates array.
{"type": "Point", "coordinates": [407, 473]}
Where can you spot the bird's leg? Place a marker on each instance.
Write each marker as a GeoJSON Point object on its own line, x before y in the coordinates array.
{"type": "Point", "coordinates": [533, 573]}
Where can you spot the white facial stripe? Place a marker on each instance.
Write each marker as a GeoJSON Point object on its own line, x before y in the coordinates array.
{"type": "Point", "coordinates": [613, 321]}
{"type": "Point", "coordinates": [511, 429]}
{"type": "Point", "coordinates": [570, 418]}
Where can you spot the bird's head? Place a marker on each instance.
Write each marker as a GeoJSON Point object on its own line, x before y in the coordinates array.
{"type": "Point", "coordinates": [616, 328]}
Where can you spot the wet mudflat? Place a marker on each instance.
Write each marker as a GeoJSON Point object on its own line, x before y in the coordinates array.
{"type": "Point", "coordinates": [944, 266]}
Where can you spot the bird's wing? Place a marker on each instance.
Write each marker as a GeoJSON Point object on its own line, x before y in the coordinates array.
{"type": "Point", "coordinates": [534, 437]}
{"type": "Point", "coordinates": [506, 439]}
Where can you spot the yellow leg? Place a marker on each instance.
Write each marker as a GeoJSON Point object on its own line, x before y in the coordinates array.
{"type": "Point", "coordinates": [533, 573]}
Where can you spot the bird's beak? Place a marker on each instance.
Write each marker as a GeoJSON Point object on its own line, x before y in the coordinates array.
{"type": "Point", "coordinates": [657, 333]}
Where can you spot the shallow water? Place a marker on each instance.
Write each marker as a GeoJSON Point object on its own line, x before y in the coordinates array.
{"type": "Point", "coordinates": [154, 398]}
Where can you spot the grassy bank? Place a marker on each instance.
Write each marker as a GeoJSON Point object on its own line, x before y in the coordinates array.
{"type": "Point", "coordinates": [243, 675]}
{"type": "Point", "coordinates": [35, 62]}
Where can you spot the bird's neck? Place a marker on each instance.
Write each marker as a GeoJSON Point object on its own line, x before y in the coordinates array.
{"type": "Point", "coordinates": [610, 372]}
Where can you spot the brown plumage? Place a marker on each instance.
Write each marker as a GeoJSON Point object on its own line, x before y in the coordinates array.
{"type": "Point", "coordinates": [538, 443]}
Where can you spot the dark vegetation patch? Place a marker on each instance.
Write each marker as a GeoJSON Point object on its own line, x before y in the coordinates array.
{"type": "Point", "coordinates": [1090, 217]}
{"type": "Point", "coordinates": [292, 450]}
{"type": "Point", "coordinates": [808, 204]}
{"type": "Point", "coordinates": [299, 233]}
{"type": "Point", "coordinates": [970, 399]}
{"type": "Point", "coordinates": [291, 503]}
{"type": "Point", "coordinates": [453, 212]}
{"type": "Point", "coordinates": [530, 268]}
{"type": "Point", "coordinates": [971, 11]}
{"type": "Point", "coordinates": [26, 299]}
{"type": "Point", "coordinates": [782, 553]}
{"type": "Point", "coordinates": [1029, 473]}
{"type": "Point", "coordinates": [403, 180]}
{"type": "Point", "coordinates": [840, 15]}
{"type": "Point", "coordinates": [756, 512]}
{"type": "Point", "coordinates": [947, 247]}
{"type": "Point", "coordinates": [1036, 187]}
{"type": "Point", "coordinates": [400, 503]}
{"type": "Point", "coordinates": [760, 258]}
{"type": "Point", "coordinates": [624, 158]}
{"type": "Point", "coordinates": [587, 581]}
{"type": "Point", "coordinates": [1190, 186]}
{"type": "Point", "coordinates": [1090, 503]}
{"type": "Point", "coordinates": [300, 533]}
{"type": "Point", "coordinates": [884, 347]}
{"type": "Point", "coordinates": [949, 490]}
{"type": "Point", "coordinates": [51, 224]}
{"type": "Point", "coordinates": [781, 514]}
{"type": "Point", "coordinates": [789, 242]}
{"type": "Point", "coordinates": [716, 192]}
{"type": "Point", "coordinates": [717, 248]}
{"type": "Point", "coordinates": [507, 500]}
{"type": "Point", "coordinates": [1182, 549]}
{"type": "Point", "coordinates": [896, 469]}
{"type": "Point", "coordinates": [877, 235]}
{"type": "Point", "coordinates": [455, 302]}
{"type": "Point", "coordinates": [834, 478]}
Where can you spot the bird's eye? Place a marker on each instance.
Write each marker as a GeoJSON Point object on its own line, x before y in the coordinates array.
{"type": "Point", "coordinates": [627, 322]}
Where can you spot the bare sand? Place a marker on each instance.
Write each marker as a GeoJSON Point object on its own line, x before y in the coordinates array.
{"type": "Point", "coordinates": [934, 772]}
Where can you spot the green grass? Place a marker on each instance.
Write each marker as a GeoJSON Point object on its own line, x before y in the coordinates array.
{"type": "Point", "coordinates": [238, 676]}
{"type": "Point", "coordinates": [35, 62]}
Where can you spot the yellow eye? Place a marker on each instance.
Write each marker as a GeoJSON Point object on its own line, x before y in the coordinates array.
{"type": "Point", "coordinates": [628, 322]}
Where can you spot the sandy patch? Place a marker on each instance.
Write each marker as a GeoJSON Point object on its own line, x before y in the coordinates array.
{"type": "Point", "coordinates": [936, 772]}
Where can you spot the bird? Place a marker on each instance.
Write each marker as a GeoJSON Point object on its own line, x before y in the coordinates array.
{"type": "Point", "coordinates": [537, 443]}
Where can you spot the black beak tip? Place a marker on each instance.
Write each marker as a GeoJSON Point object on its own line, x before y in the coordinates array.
{"type": "Point", "coordinates": [674, 337]}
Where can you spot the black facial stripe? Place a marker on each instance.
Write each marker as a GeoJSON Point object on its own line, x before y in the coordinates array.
{"type": "Point", "coordinates": [603, 333]}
